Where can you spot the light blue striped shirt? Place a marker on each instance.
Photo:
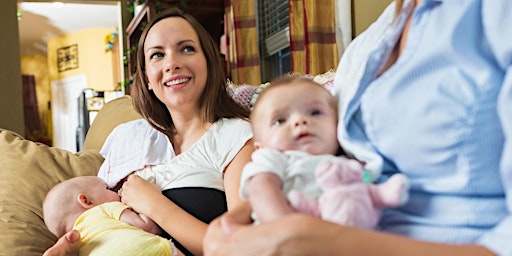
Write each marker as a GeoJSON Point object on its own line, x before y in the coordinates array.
{"type": "Point", "coordinates": [442, 115]}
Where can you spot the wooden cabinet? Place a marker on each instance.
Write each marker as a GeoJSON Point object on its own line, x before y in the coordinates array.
{"type": "Point", "coordinates": [210, 13]}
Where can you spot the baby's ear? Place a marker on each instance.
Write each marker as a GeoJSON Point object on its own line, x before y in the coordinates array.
{"type": "Point", "coordinates": [256, 145]}
{"type": "Point", "coordinates": [84, 201]}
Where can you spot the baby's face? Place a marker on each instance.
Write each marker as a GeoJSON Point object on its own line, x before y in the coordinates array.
{"type": "Point", "coordinates": [298, 116]}
{"type": "Point", "coordinates": [99, 192]}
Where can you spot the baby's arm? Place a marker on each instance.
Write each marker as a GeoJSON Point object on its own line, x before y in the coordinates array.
{"type": "Point", "coordinates": [140, 220]}
{"type": "Point", "coordinates": [267, 198]}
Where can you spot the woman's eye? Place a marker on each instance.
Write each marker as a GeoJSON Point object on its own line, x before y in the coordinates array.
{"type": "Point", "coordinates": [189, 49]}
{"type": "Point", "coordinates": [156, 55]}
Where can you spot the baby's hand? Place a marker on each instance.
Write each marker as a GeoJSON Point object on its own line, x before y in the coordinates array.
{"type": "Point", "coordinates": [151, 226]}
{"type": "Point", "coordinates": [140, 220]}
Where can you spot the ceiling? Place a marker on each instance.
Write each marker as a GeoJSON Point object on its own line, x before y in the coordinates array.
{"type": "Point", "coordinates": [41, 21]}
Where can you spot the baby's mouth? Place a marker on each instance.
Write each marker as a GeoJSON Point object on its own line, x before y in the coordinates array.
{"type": "Point", "coordinates": [304, 135]}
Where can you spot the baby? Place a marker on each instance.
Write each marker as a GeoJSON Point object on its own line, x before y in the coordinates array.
{"type": "Point", "coordinates": [106, 226]}
{"type": "Point", "coordinates": [297, 164]}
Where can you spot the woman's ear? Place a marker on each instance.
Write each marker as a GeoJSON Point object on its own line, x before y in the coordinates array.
{"type": "Point", "coordinates": [84, 201]}
{"type": "Point", "coordinates": [146, 80]}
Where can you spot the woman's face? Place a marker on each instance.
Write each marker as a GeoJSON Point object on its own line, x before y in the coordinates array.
{"type": "Point", "coordinates": [176, 68]}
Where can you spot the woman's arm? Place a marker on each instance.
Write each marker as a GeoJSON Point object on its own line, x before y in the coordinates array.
{"type": "Point", "coordinates": [146, 198]}
{"type": "Point", "coordinates": [233, 173]}
{"type": "Point", "coordinates": [299, 234]}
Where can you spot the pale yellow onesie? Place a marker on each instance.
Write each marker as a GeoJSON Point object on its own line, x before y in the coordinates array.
{"type": "Point", "coordinates": [103, 233]}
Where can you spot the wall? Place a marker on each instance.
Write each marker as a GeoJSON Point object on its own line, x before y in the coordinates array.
{"type": "Point", "coordinates": [93, 61]}
{"type": "Point", "coordinates": [365, 12]}
{"type": "Point", "coordinates": [11, 101]}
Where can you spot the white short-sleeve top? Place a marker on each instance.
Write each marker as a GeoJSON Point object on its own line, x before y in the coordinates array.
{"type": "Point", "coordinates": [203, 164]}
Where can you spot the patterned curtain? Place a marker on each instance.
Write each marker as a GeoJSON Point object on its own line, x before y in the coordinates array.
{"type": "Point", "coordinates": [242, 42]}
{"type": "Point", "coordinates": [313, 36]}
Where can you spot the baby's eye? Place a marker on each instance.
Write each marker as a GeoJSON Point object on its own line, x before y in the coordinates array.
{"type": "Point", "coordinates": [316, 112]}
{"type": "Point", "coordinates": [189, 49]}
{"type": "Point", "coordinates": [278, 121]}
{"type": "Point", "coordinates": [156, 55]}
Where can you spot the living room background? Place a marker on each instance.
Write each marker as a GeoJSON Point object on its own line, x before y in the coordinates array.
{"type": "Point", "coordinates": [11, 103]}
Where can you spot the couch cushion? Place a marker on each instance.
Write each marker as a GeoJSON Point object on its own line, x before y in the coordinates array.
{"type": "Point", "coordinates": [115, 112]}
{"type": "Point", "coordinates": [27, 172]}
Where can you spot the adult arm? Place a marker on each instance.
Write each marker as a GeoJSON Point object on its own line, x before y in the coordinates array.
{"type": "Point", "coordinates": [495, 16]}
{"type": "Point", "coordinates": [299, 234]}
{"type": "Point", "coordinates": [147, 198]}
{"type": "Point", "coordinates": [233, 172]}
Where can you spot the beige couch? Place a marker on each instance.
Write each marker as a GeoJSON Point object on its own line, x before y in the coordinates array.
{"type": "Point", "coordinates": [28, 170]}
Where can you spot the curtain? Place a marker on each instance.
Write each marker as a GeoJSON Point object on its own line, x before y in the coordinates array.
{"type": "Point", "coordinates": [313, 45]}
{"type": "Point", "coordinates": [242, 42]}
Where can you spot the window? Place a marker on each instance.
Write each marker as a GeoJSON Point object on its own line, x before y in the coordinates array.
{"type": "Point", "coordinates": [274, 38]}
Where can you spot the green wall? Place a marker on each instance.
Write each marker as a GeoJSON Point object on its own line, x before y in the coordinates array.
{"type": "Point", "coordinates": [11, 99]}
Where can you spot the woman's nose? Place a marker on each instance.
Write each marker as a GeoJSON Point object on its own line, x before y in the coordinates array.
{"type": "Point", "coordinates": [172, 63]}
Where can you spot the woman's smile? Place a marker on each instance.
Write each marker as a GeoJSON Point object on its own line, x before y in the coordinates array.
{"type": "Point", "coordinates": [177, 83]}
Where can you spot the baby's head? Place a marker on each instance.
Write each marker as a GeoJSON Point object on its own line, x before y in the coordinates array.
{"type": "Point", "coordinates": [70, 198]}
{"type": "Point", "coordinates": [296, 113]}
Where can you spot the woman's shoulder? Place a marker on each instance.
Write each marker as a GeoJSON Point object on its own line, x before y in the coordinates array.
{"type": "Point", "coordinates": [230, 133]}
{"type": "Point", "coordinates": [137, 123]}
{"type": "Point", "coordinates": [227, 125]}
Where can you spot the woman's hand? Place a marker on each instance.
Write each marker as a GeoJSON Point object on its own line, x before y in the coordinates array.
{"type": "Point", "coordinates": [299, 234]}
{"type": "Point", "coordinates": [232, 234]}
{"type": "Point", "coordinates": [294, 234]}
{"type": "Point", "coordinates": [139, 194]}
{"type": "Point", "coordinates": [146, 198]}
{"type": "Point", "coordinates": [67, 245]}
{"type": "Point", "coordinates": [218, 238]}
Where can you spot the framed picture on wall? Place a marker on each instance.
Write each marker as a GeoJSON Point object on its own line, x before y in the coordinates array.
{"type": "Point", "coordinates": [67, 58]}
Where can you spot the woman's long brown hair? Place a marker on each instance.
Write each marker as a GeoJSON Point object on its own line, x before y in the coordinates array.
{"type": "Point", "coordinates": [214, 103]}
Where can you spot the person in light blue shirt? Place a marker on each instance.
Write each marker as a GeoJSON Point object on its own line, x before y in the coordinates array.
{"type": "Point", "coordinates": [426, 91]}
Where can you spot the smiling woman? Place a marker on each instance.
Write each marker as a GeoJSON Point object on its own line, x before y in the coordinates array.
{"type": "Point", "coordinates": [199, 137]}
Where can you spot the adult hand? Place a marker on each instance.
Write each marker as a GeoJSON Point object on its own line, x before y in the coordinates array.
{"type": "Point", "coordinates": [300, 234]}
{"type": "Point", "coordinates": [139, 194]}
{"type": "Point", "coordinates": [220, 231]}
{"type": "Point", "coordinates": [296, 234]}
{"type": "Point", "coordinates": [67, 245]}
